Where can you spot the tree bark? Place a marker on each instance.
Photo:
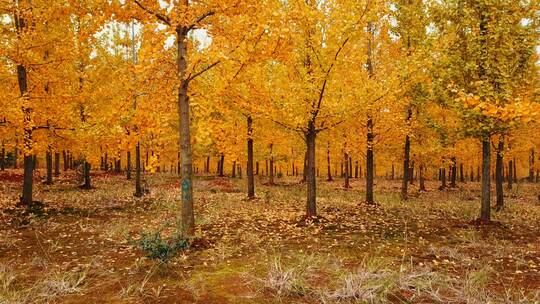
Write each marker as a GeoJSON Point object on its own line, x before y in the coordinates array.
{"type": "Point", "coordinates": [347, 171]}
{"type": "Point", "coordinates": [369, 162]}
{"type": "Point", "coordinates": [453, 173]}
{"type": "Point", "coordinates": [531, 166]}
{"type": "Point", "coordinates": [271, 167]}
{"type": "Point", "coordinates": [328, 165]}
{"type": "Point", "coordinates": [499, 175]}
{"type": "Point", "coordinates": [128, 169]}
{"type": "Point", "coordinates": [86, 172]}
{"type": "Point", "coordinates": [485, 214]}
{"type": "Point", "coordinates": [138, 186]}
{"type": "Point", "coordinates": [26, 198]}
{"type": "Point", "coordinates": [3, 158]}
{"type": "Point", "coordinates": [510, 175]}
{"type": "Point", "coordinates": [443, 179]}
{"type": "Point", "coordinates": [311, 208]}
{"type": "Point", "coordinates": [233, 169]}
{"type": "Point", "coordinates": [406, 165]}
{"type": "Point", "coordinates": [422, 179]}
{"type": "Point", "coordinates": [250, 176]}
{"type": "Point", "coordinates": [461, 173]}
{"type": "Point", "coordinates": [515, 171]}
{"type": "Point", "coordinates": [56, 164]}
{"type": "Point", "coordinates": [49, 164]}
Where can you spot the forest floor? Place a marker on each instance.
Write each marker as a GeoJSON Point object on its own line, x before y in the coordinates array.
{"type": "Point", "coordinates": [85, 247]}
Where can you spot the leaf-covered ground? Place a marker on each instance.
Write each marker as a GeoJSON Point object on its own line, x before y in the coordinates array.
{"type": "Point", "coordinates": [84, 248]}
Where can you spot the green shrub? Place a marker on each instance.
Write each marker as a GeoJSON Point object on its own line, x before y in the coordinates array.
{"type": "Point", "coordinates": [156, 247]}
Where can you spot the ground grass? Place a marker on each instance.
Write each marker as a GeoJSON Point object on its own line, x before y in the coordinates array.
{"type": "Point", "coordinates": [84, 248]}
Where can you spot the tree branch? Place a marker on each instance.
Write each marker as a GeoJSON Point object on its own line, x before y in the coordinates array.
{"type": "Point", "coordinates": [200, 19]}
{"type": "Point", "coordinates": [159, 16]}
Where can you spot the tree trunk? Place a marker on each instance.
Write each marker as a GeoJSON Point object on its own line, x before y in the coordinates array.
{"type": "Point", "coordinates": [531, 166]}
{"type": "Point", "coordinates": [369, 162]}
{"type": "Point", "coordinates": [64, 158]}
{"type": "Point", "coordinates": [233, 169]}
{"type": "Point", "coordinates": [86, 172]}
{"type": "Point", "coordinates": [406, 166]}
{"type": "Point", "coordinates": [250, 177]}
{"type": "Point", "coordinates": [499, 175]}
{"type": "Point", "coordinates": [188, 218]}
{"type": "Point", "coordinates": [422, 179]}
{"type": "Point", "coordinates": [305, 168]}
{"type": "Point", "coordinates": [222, 165]}
{"type": "Point", "coordinates": [15, 157]}
{"type": "Point", "coordinates": [311, 208]}
{"type": "Point", "coordinates": [3, 158]}
{"type": "Point", "coordinates": [271, 167]}
{"type": "Point", "coordinates": [485, 215]}
{"type": "Point", "coordinates": [356, 169]}
{"type": "Point", "coordinates": [256, 168]}
{"type": "Point", "coordinates": [453, 175]}
{"type": "Point", "coordinates": [461, 173]}
{"type": "Point", "coordinates": [347, 172]}
{"type": "Point", "coordinates": [138, 186]}
{"type": "Point", "coordinates": [515, 171]}
{"type": "Point", "coordinates": [26, 198]}
{"type": "Point", "coordinates": [49, 164]}
{"type": "Point", "coordinates": [443, 179]}
{"type": "Point", "coordinates": [328, 163]}
{"type": "Point", "coordinates": [128, 169]}
{"type": "Point", "coordinates": [510, 175]}
{"type": "Point", "coordinates": [56, 164]}
{"type": "Point", "coordinates": [207, 169]}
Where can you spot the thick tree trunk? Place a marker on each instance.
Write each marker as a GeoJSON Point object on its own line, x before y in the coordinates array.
{"type": "Point", "coordinates": [86, 173]}
{"type": "Point", "coordinates": [461, 173]}
{"type": "Point", "coordinates": [26, 198]}
{"type": "Point", "coordinates": [49, 164]}
{"type": "Point", "coordinates": [443, 179]}
{"type": "Point", "coordinates": [188, 217]}
{"type": "Point", "coordinates": [233, 169]}
{"type": "Point", "coordinates": [406, 166]}
{"type": "Point", "coordinates": [328, 165]}
{"type": "Point", "coordinates": [250, 177]}
{"type": "Point", "coordinates": [369, 162]}
{"type": "Point", "coordinates": [453, 175]}
{"type": "Point", "coordinates": [311, 207]}
{"type": "Point", "coordinates": [106, 162]}
{"type": "Point", "coordinates": [485, 215]}
{"type": "Point", "coordinates": [256, 168]}
{"type": "Point", "coordinates": [221, 165]}
{"type": "Point", "coordinates": [499, 176]}
{"type": "Point", "coordinates": [207, 169]}
{"type": "Point", "coordinates": [56, 164]}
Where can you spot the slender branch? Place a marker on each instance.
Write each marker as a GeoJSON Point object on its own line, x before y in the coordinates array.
{"type": "Point", "coordinates": [159, 16]}
{"type": "Point", "coordinates": [200, 19]}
